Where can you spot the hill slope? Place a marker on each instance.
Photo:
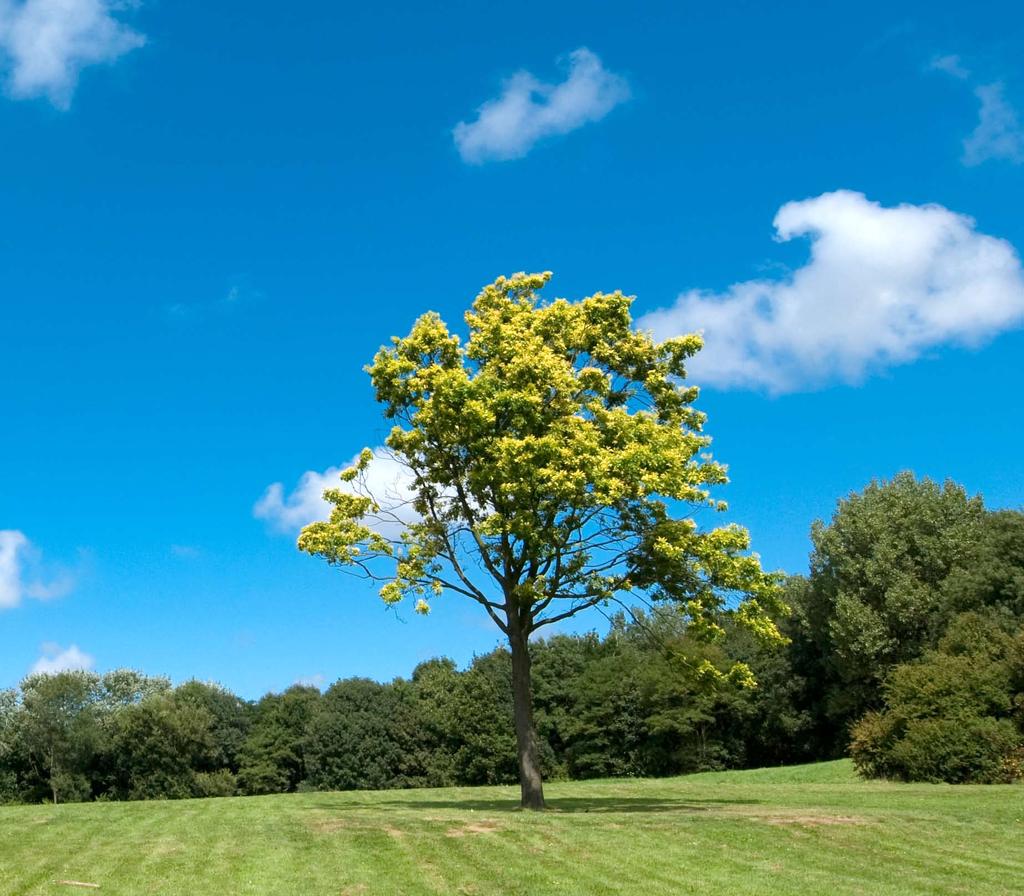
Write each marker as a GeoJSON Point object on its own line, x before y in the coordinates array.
{"type": "Point", "coordinates": [803, 830]}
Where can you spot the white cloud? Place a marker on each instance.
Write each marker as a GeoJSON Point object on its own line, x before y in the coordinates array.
{"type": "Point", "coordinates": [882, 286]}
{"type": "Point", "coordinates": [12, 545]}
{"type": "Point", "coordinates": [998, 134]}
{"type": "Point", "coordinates": [529, 110]}
{"type": "Point", "coordinates": [55, 659]}
{"type": "Point", "coordinates": [46, 43]}
{"type": "Point", "coordinates": [951, 65]}
{"type": "Point", "coordinates": [20, 573]}
{"type": "Point", "coordinates": [386, 479]}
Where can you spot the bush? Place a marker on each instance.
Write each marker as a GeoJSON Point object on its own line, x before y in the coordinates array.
{"type": "Point", "coordinates": [218, 783]}
{"type": "Point", "coordinates": [957, 751]}
{"type": "Point", "coordinates": [982, 750]}
{"type": "Point", "coordinates": [952, 716]}
{"type": "Point", "coordinates": [871, 744]}
{"type": "Point", "coordinates": [9, 791]}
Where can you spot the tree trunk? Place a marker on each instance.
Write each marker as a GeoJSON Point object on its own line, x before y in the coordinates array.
{"type": "Point", "coordinates": [530, 779]}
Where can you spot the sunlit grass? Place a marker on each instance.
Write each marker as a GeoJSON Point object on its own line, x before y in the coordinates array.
{"type": "Point", "coordinates": [804, 830]}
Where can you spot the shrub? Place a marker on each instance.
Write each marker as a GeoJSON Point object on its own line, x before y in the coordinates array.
{"type": "Point", "coordinates": [957, 751]}
{"type": "Point", "coordinates": [871, 744]}
{"type": "Point", "coordinates": [952, 716]}
{"type": "Point", "coordinates": [218, 783]}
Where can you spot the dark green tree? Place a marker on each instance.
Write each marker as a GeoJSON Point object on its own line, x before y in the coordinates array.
{"type": "Point", "coordinates": [58, 731]}
{"type": "Point", "coordinates": [876, 595]}
{"type": "Point", "coordinates": [231, 716]}
{"type": "Point", "coordinates": [161, 746]}
{"type": "Point", "coordinates": [273, 757]}
{"type": "Point", "coordinates": [352, 742]}
{"type": "Point", "coordinates": [993, 573]}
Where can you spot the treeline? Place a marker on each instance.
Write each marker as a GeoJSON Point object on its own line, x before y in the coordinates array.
{"type": "Point", "coordinates": [631, 703]}
{"type": "Point", "coordinates": [906, 649]}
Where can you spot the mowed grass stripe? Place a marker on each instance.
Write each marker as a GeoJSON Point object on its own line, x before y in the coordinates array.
{"type": "Point", "coordinates": [958, 846]}
{"type": "Point", "coordinates": [808, 830]}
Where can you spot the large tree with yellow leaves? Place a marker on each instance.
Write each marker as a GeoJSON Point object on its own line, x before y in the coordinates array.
{"type": "Point", "coordinates": [551, 460]}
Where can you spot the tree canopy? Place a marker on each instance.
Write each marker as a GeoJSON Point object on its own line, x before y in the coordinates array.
{"type": "Point", "coordinates": [546, 457]}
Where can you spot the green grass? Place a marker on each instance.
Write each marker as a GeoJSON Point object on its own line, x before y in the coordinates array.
{"type": "Point", "coordinates": [804, 830]}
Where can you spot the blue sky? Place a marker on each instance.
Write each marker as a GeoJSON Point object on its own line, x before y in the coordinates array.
{"type": "Point", "coordinates": [215, 213]}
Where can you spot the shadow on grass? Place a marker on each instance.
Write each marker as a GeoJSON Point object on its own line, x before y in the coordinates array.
{"type": "Point", "coordinates": [609, 804]}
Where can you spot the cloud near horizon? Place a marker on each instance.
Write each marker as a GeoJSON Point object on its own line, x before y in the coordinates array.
{"type": "Point", "coordinates": [54, 659]}
{"type": "Point", "coordinates": [45, 44]}
{"type": "Point", "coordinates": [528, 110]}
{"type": "Point", "coordinates": [386, 479]}
{"type": "Point", "coordinates": [883, 285]}
{"type": "Point", "coordinates": [20, 574]}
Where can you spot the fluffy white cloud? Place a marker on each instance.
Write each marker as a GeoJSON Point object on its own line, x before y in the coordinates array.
{"type": "Point", "coordinates": [46, 43]}
{"type": "Point", "coordinates": [528, 110]}
{"type": "Point", "coordinates": [56, 659]}
{"type": "Point", "coordinates": [998, 134]}
{"type": "Point", "coordinates": [882, 286]}
{"type": "Point", "coordinates": [386, 480]}
{"type": "Point", "coordinates": [19, 572]}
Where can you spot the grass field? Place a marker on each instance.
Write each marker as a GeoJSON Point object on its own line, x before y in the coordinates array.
{"type": "Point", "coordinates": [803, 830]}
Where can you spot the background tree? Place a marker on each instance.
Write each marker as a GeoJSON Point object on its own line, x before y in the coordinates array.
{"type": "Point", "coordinates": [231, 717]}
{"type": "Point", "coordinates": [545, 458]}
{"type": "Point", "coordinates": [10, 761]}
{"type": "Point", "coordinates": [273, 757]}
{"type": "Point", "coordinates": [992, 575]}
{"type": "Point", "coordinates": [161, 746]}
{"type": "Point", "coordinates": [773, 721]}
{"type": "Point", "coordinates": [59, 732]}
{"type": "Point", "coordinates": [559, 662]}
{"type": "Point", "coordinates": [484, 714]}
{"type": "Point", "coordinates": [435, 684]}
{"type": "Point", "coordinates": [605, 730]}
{"type": "Point", "coordinates": [877, 592]}
{"type": "Point", "coordinates": [348, 744]}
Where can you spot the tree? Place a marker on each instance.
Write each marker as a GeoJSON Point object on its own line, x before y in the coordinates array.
{"type": "Point", "coordinates": [161, 746]}
{"type": "Point", "coordinates": [272, 759]}
{"type": "Point", "coordinates": [544, 460]}
{"type": "Point", "coordinates": [880, 590]}
{"type": "Point", "coordinates": [9, 758]}
{"type": "Point", "coordinates": [351, 742]}
{"type": "Point", "coordinates": [58, 728]}
{"type": "Point", "coordinates": [993, 576]}
{"type": "Point", "coordinates": [231, 719]}
{"type": "Point", "coordinates": [483, 708]}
